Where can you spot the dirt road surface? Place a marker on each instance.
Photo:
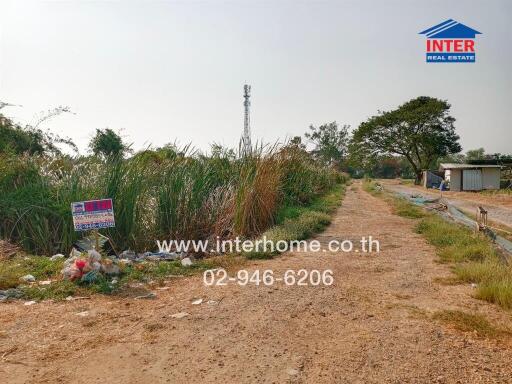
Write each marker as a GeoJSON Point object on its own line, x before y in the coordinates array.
{"type": "Point", "coordinates": [373, 325]}
{"type": "Point", "coordinates": [498, 206]}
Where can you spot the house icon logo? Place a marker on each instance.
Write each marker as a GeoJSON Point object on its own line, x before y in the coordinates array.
{"type": "Point", "coordinates": [450, 42]}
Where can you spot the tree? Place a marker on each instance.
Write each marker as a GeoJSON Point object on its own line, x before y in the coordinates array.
{"type": "Point", "coordinates": [108, 143]}
{"type": "Point", "coordinates": [330, 142]}
{"type": "Point", "coordinates": [475, 154]}
{"type": "Point", "coordinates": [30, 139]}
{"type": "Point", "coordinates": [421, 130]}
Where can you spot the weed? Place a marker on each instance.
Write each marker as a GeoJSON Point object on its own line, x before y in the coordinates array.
{"type": "Point", "coordinates": [467, 322]}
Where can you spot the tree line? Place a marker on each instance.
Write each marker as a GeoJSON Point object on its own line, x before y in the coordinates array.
{"type": "Point", "coordinates": [402, 142]}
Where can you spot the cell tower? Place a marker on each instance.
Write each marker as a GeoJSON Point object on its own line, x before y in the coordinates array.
{"type": "Point", "coordinates": [247, 120]}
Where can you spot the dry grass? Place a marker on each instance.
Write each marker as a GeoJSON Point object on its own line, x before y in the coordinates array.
{"type": "Point", "coordinates": [474, 323]}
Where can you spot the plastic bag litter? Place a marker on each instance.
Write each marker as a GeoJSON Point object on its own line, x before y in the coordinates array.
{"type": "Point", "coordinates": [88, 267]}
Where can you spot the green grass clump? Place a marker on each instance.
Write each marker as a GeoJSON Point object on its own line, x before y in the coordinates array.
{"type": "Point", "coordinates": [301, 222]}
{"type": "Point", "coordinates": [456, 243]}
{"type": "Point", "coordinates": [475, 257]}
{"type": "Point", "coordinates": [41, 268]}
{"type": "Point", "coordinates": [372, 187]}
{"type": "Point", "coordinates": [58, 290]}
{"type": "Point", "coordinates": [497, 290]}
{"type": "Point", "coordinates": [467, 322]}
{"type": "Point", "coordinates": [403, 208]}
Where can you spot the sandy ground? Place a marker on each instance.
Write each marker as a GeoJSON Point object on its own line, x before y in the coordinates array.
{"type": "Point", "coordinates": [372, 325]}
{"type": "Point", "coordinates": [499, 207]}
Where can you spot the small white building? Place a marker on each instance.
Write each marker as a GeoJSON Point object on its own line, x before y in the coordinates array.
{"type": "Point", "coordinates": [471, 177]}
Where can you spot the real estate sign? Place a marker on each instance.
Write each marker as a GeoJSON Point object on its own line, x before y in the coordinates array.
{"type": "Point", "coordinates": [93, 214]}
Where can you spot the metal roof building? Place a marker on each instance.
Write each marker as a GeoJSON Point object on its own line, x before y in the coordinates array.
{"type": "Point", "coordinates": [471, 177]}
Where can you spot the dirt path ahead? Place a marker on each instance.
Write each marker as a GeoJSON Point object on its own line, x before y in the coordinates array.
{"type": "Point", "coordinates": [372, 326]}
{"type": "Point", "coordinates": [498, 206]}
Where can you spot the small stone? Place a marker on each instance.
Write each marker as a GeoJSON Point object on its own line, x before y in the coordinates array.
{"type": "Point", "coordinates": [28, 278]}
{"type": "Point", "coordinates": [292, 372]}
{"type": "Point", "coordinates": [32, 302]}
{"type": "Point", "coordinates": [186, 262]}
{"type": "Point", "coordinates": [57, 256]}
{"type": "Point", "coordinates": [197, 301]}
{"type": "Point", "coordinates": [83, 314]}
{"type": "Point", "coordinates": [150, 295]}
{"type": "Point", "coordinates": [180, 315]}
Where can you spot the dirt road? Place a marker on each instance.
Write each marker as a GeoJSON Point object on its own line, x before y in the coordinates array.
{"type": "Point", "coordinates": [498, 206]}
{"type": "Point", "coordinates": [373, 325]}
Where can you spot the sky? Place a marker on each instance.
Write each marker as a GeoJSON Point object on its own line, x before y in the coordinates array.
{"type": "Point", "coordinates": [173, 71]}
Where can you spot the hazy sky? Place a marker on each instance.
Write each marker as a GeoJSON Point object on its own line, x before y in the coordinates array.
{"type": "Point", "coordinates": [175, 70]}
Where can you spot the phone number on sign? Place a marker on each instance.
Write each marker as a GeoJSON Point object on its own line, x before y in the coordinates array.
{"type": "Point", "coordinates": [214, 277]}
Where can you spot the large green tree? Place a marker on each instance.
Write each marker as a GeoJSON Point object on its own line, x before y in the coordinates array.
{"type": "Point", "coordinates": [421, 130]}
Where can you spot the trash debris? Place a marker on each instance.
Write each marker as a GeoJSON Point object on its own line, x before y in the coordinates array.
{"type": "Point", "coordinates": [83, 314]}
{"type": "Point", "coordinates": [88, 243]}
{"type": "Point", "coordinates": [45, 282]}
{"type": "Point", "coordinates": [128, 254]}
{"type": "Point", "coordinates": [180, 315]}
{"type": "Point", "coordinates": [75, 253]}
{"type": "Point", "coordinates": [197, 301]}
{"type": "Point", "coordinates": [109, 268]}
{"type": "Point", "coordinates": [212, 302]}
{"type": "Point", "coordinates": [163, 288]}
{"type": "Point", "coordinates": [28, 278]}
{"type": "Point", "coordinates": [73, 298]}
{"type": "Point", "coordinates": [88, 269]}
{"type": "Point", "coordinates": [11, 293]}
{"type": "Point", "coordinates": [186, 262]}
{"type": "Point", "coordinates": [32, 302]}
{"type": "Point", "coordinates": [150, 295]}
{"type": "Point", "coordinates": [58, 256]}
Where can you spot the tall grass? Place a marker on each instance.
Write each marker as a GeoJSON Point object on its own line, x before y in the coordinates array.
{"type": "Point", "coordinates": [178, 194]}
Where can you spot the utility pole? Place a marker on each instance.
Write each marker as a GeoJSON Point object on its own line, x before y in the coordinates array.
{"type": "Point", "coordinates": [247, 120]}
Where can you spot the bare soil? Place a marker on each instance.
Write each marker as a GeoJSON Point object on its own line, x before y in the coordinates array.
{"type": "Point", "coordinates": [373, 325]}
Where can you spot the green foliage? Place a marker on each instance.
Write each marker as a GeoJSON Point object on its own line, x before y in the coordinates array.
{"type": "Point", "coordinates": [161, 194]}
{"type": "Point", "coordinates": [31, 140]}
{"type": "Point", "coordinates": [108, 143]}
{"type": "Point", "coordinates": [474, 323]}
{"type": "Point", "coordinates": [330, 142]}
{"type": "Point", "coordinates": [421, 130]}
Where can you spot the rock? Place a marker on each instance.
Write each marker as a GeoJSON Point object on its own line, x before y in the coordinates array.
{"type": "Point", "coordinates": [180, 315]}
{"type": "Point", "coordinates": [125, 261]}
{"type": "Point", "coordinates": [197, 301]}
{"type": "Point", "coordinates": [473, 285]}
{"type": "Point", "coordinates": [45, 282]}
{"type": "Point", "coordinates": [28, 278]}
{"type": "Point", "coordinates": [32, 302]}
{"type": "Point", "coordinates": [292, 372]}
{"type": "Point", "coordinates": [186, 262]}
{"type": "Point", "coordinates": [150, 295]}
{"type": "Point", "coordinates": [11, 293]}
{"type": "Point", "coordinates": [56, 257]}
{"type": "Point", "coordinates": [211, 302]}
{"type": "Point", "coordinates": [83, 314]}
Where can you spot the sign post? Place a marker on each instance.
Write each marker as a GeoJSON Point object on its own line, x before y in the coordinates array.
{"type": "Point", "coordinates": [93, 215]}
